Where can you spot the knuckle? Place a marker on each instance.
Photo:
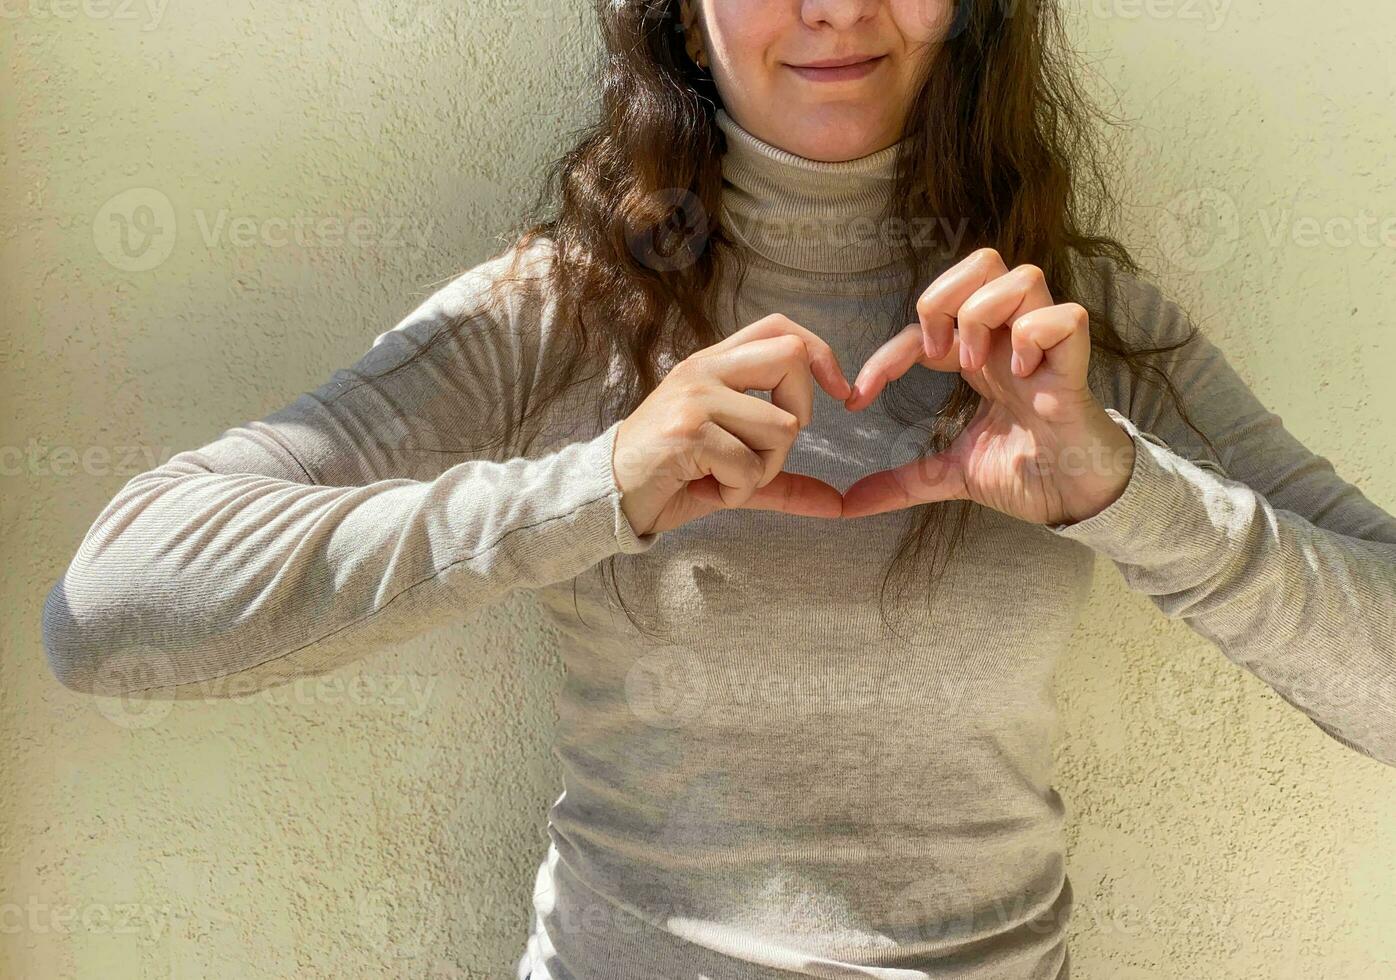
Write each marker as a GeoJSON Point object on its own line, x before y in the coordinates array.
{"type": "Point", "coordinates": [968, 314]}
{"type": "Point", "coordinates": [685, 369]}
{"type": "Point", "coordinates": [790, 426]}
{"type": "Point", "coordinates": [690, 421]}
{"type": "Point", "coordinates": [690, 377]}
{"type": "Point", "coordinates": [792, 347]}
{"type": "Point", "coordinates": [1032, 272]}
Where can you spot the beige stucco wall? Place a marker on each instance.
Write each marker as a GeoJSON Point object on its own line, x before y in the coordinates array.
{"type": "Point", "coordinates": [385, 821]}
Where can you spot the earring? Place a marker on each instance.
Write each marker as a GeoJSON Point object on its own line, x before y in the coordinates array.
{"type": "Point", "coordinates": [693, 36]}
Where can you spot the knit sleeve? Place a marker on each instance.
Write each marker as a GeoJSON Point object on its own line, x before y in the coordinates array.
{"type": "Point", "coordinates": [386, 502]}
{"type": "Point", "coordinates": [1260, 547]}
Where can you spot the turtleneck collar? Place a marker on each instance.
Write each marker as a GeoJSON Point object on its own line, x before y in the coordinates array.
{"type": "Point", "coordinates": [807, 215]}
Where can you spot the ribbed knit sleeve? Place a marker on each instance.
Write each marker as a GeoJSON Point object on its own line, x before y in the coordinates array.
{"type": "Point", "coordinates": [350, 519]}
{"type": "Point", "coordinates": [1261, 547]}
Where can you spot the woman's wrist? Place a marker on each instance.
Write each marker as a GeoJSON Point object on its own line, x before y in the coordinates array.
{"type": "Point", "coordinates": [1095, 468]}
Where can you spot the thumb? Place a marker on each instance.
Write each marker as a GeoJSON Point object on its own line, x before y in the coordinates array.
{"type": "Point", "coordinates": [790, 493]}
{"type": "Point", "coordinates": [922, 481]}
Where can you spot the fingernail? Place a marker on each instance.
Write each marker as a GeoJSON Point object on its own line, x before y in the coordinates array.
{"type": "Point", "coordinates": [965, 358]}
{"type": "Point", "coordinates": [1016, 364]}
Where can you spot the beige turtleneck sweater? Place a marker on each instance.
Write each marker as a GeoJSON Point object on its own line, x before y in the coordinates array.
{"type": "Point", "coordinates": [782, 789]}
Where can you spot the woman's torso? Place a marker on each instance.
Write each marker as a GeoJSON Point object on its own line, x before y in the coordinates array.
{"type": "Point", "coordinates": [778, 783]}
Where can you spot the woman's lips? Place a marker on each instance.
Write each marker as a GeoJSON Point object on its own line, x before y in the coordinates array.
{"type": "Point", "coordinates": [838, 73]}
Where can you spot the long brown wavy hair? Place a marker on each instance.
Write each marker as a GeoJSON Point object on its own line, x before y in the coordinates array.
{"type": "Point", "coordinates": [998, 134]}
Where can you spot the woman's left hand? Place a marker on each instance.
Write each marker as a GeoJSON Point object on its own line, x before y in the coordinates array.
{"type": "Point", "coordinates": [1040, 448]}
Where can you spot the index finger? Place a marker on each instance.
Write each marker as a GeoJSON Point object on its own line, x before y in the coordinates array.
{"type": "Point", "coordinates": [939, 306]}
{"type": "Point", "coordinates": [894, 359]}
{"type": "Point", "coordinates": [823, 362]}
{"type": "Point", "coordinates": [790, 493]}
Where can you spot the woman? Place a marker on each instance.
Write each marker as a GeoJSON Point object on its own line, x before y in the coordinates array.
{"type": "Point", "coordinates": [641, 412]}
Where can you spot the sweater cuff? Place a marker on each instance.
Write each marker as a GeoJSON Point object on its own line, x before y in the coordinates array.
{"type": "Point", "coordinates": [600, 456]}
{"type": "Point", "coordinates": [1166, 493]}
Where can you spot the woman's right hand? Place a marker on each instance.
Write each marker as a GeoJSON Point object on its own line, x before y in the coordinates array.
{"type": "Point", "coordinates": [699, 443]}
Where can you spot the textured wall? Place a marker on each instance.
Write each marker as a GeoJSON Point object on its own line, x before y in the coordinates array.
{"type": "Point", "coordinates": [209, 206]}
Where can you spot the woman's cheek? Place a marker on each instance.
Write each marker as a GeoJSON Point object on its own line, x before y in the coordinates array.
{"type": "Point", "coordinates": [923, 21]}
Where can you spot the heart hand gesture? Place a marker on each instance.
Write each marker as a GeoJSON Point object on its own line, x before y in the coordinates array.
{"type": "Point", "coordinates": [700, 442]}
{"type": "Point", "coordinates": [1040, 448]}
